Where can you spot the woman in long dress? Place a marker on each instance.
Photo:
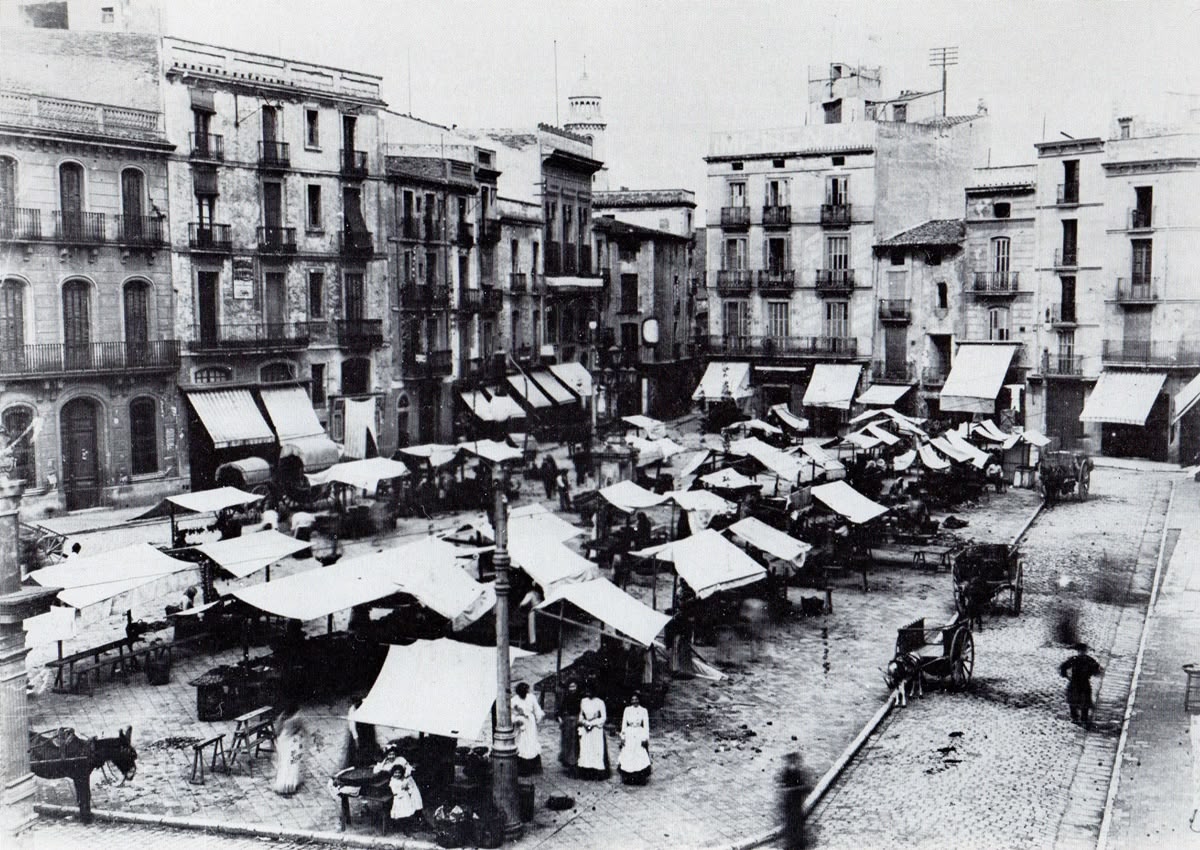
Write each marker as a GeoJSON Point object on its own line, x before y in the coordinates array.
{"type": "Point", "coordinates": [526, 714]}
{"type": "Point", "coordinates": [568, 720]}
{"type": "Point", "coordinates": [289, 756]}
{"type": "Point", "coordinates": [593, 750]}
{"type": "Point", "coordinates": [634, 762]}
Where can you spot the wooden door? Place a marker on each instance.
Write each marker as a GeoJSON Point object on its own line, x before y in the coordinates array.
{"type": "Point", "coordinates": [274, 303]}
{"type": "Point", "coordinates": [1064, 403]}
{"type": "Point", "coordinates": [81, 459]}
{"type": "Point", "coordinates": [206, 306]}
{"type": "Point", "coordinates": [70, 199]}
{"type": "Point", "coordinates": [77, 325]}
{"type": "Point", "coordinates": [12, 325]}
{"type": "Point", "coordinates": [895, 343]}
{"type": "Point", "coordinates": [272, 208]}
{"type": "Point", "coordinates": [137, 323]}
{"type": "Point", "coordinates": [132, 186]}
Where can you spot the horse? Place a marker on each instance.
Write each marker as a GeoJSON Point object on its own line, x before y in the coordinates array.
{"type": "Point", "coordinates": [61, 754]}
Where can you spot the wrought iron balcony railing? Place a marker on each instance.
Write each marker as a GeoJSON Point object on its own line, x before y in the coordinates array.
{"type": "Point", "coordinates": [517, 282]}
{"type": "Point", "coordinates": [20, 224]}
{"type": "Point", "coordinates": [1066, 258]}
{"type": "Point", "coordinates": [359, 333]}
{"type": "Point", "coordinates": [1145, 352]}
{"type": "Point", "coordinates": [207, 146]}
{"type": "Point", "coordinates": [776, 215]}
{"type": "Point", "coordinates": [431, 364]}
{"type": "Point", "coordinates": [274, 155]}
{"type": "Point", "coordinates": [994, 283]}
{"type": "Point", "coordinates": [45, 359]}
{"type": "Point", "coordinates": [417, 296]}
{"type": "Point", "coordinates": [1068, 193]}
{"type": "Point", "coordinates": [249, 336]}
{"type": "Point", "coordinates": [210, 237]}
{"type": "Point", "coordinates": [80, 228]}
{"type": "Point", "coordinates": [357, 243]}
{"type": "Point", "coordinates": [895, 309]}
{"type": "Point", "coordinates": [783, 346]}
{"type": "Point", "coordinates": [777, 280]}
{"type": "Point", "coordinates": [1141, 218]}
{"type": "Point", "coordinates": [735, 216]}
{"type": "Point", "coordinates": [1061, 314]}
{"type": "Point", "coordinates": [141, 230]}
{"type": "Point", "coordinates": [470, 300]}
{"type": "Point", "coordinates": [493, 299]}
{"type": "Point", "coordinates": [835, 215]}
{"type": "Point", "coordinates": [277, 240]}
{"type": "Point", "coordinates": [887, 370]}
{"type": "Point", "coordinates": [835, 280]}
{"type": "Point", "coordinates": [1137, 290]}
{"type": "Point", "coordinates": [1062, 365]}
{"type": "Point", "coordinates": [489, 231]}
{"type": "Point", "coordinates": [464, 234]}
{"type": "Point", "coordinates": [734, 280]}
{"type": "Point", "coordinates": [354, 164]}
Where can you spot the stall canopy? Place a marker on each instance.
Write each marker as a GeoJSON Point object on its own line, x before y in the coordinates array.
{"type": "Point", "coordinates": [724, 380]}
{"type": "Point", "coordinates": [628, 496]}
{"type": "Point", "coordinates": [878, 432]}
{"type": "Point", "coordinates": [988, 430]}
{"type": "Point", "coordinates": [883, 395]}
{"type": "Point", "coordinates": [231, 418]}
{"type": "Point", "coordinates": [863, 440]}
{"type": "Point", "coordinates": [532, 520]}
{"type": "Point", "coordinates": [832, 385]}
{"type": "Point", "coordinates": [1123, 397]}
{"type": "Point", "coordinates": [786, 466]}
{"type": "Point", "coordinates": [707, 562]}
{"type": "Point", "coordinates": [438, 687]}
{"type": "Point", "coordinates": [791, 420]}
{"type": "Point", "coordinates": [770, 540]}
{"type": "Point", "coordinates": [652, 427]}
{"type": "Point", "coordinates": [975, 378]}
{"type": "Point", "coordinates": [828, 463]}
{"type": "Point", "coordinates": [56, 624]}
{"type": "Point", "coordinates": [931, 459]}
{"type": "Point", "coordinates": [362, 474]}
{"type": "Point", "coordinates": [529, 391]}
{"type": "Point", "coordinates": [201, 502]}
{"type": "Point", "coordinates": [87, 580]}
{"type": "Point", "coordinates": [612, 606]}
{"type": "Point", "coordinates": [551, 386]}
{"type": "Point", "coordinates": [242, 556]}
{"type": "Point", "coordinates": [436, 454]}
{"type": "Point", "coordinates": [695, 462]}
{"type": "Point", "coordinates": [729, 479]}
{"type": "Point", "coordinates": [950, 450]}
{"type": "Point", "coordinates": [498, 408]}
{"type": "Point", "coordinates": [902, 462]}
{"type": "Point", "coordinates": [755, 425]}
{"type": "Point", "coordinates": [1035, 438]}
{"type": "Point", "coordinates": [841, 498]}
{"type": "Point", "coordinates": [975, 456]}
{"type": "Point", "coordinates": [479, 404]}
{"type": "Point", "coordinates": [492, 451]}
{"type": "Point", "coordinates": [547, 561]}
{"type": "Point", "coordinates": [701, 506]}
{"type": "Point", "coordinates": [300, 432]}
{"type": "Point", "coordinates": [575, 376]}
{"type": "Point", "coordinates": [1186, 399]}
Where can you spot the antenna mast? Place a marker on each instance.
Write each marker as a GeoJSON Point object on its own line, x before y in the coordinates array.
{"type": "Point", "coordinates": [943, 57]}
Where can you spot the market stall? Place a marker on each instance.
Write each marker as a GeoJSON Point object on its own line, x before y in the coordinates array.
{"type": "Point", "coordinates": [244, 556]}
{"type": "Point", "coordinates": [222, 501]}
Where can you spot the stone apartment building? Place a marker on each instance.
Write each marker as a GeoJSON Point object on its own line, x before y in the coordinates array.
{"type": "Point", "coordinates": [88, 350]}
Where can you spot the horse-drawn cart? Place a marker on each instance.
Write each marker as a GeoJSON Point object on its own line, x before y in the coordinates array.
{"type": "Point", "coordinates": [1062, 474]}
{"type": "Point", "coordinates": [984, 571]}
{"type": "Point", "coordinates": [940, 652]}
{"type": "Point", "coordinates": [284, 486]}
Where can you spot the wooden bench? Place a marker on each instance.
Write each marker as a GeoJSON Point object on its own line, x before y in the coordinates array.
{"type": "Point", "coordinates": [254, 729]}
{"type": "Point", "coordinates": [217, 742]}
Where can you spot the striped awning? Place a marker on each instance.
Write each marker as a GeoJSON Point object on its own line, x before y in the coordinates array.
{"type": "Point", "coordinates": [529, 391]}
{"type": "Point", "coordinates": [976, 377]}
{"type": "Point", "coordinates": [300, 432]}
{"type": "Point", "coordinates": [1124, 398]}
{"type": "Point", "coordinates": [231, 418]}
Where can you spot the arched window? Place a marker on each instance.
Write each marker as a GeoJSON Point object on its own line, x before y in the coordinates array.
{"type": "Point", "coordinates": [273, 373]}
{"type": "Point", "coordinates": [213, 375]}
{"type": "Point", "coordinates": [137, 321]}
{"type": "Point", "coordinates": [77, 324]}
{"type": "Point", "coordinates": [143, 436]}
{"type": "Point", "coordinates": [12, 322]}
{"type": "Point", "coordinates": [16, 422]}
{"type": "Point", "coordinates": [8, 196]}
{"type": "Point", "coordinates": [998, 324]}
{"type": "Point", "coordinates": [70, 201]}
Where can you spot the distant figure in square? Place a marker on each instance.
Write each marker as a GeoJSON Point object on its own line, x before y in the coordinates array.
{"type": "Point", "coordinates": [1078, 670]}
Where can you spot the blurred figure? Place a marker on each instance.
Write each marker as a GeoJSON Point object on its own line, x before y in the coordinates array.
{"type": "Point", "coordinates": [795, 787]}
{"type": "Point", "coordinates": [568, 721]}
{"type": "Point", "coordinates": [289, 755]}
{"type": "Point", "coordinates": [1078, 670]}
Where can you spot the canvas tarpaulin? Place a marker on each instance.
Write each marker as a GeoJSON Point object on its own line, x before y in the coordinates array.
{"type": "Point", "coordinates": [360, 427]}
{"type": "Point", "coordinates": [841, 498]}
{"type": "Point", "coordinates": [726, 380]}
{"type": "Point", "coordinates": [708, 563]}
{"type": "Point", "coordinates": [884, 395]}
{"type": "Point", "coordinates": [832, 385]}
{"type": "Point", "coordinates": [612, 606]}
{"type": "Point", "coordinates": [362, 474]}
{"type": "Point", "coordinates": [976, 377]}
{"type": "Point", "coordinates": [202, 502]}
{"type": "Point", "coordinates": [242, 556]}
{"type": "Point", "coordinates": [770, 540]}
{"type": "Point", "coordinates": [91, 579]}
{"type": "Point", "coordinates": [628, 496]}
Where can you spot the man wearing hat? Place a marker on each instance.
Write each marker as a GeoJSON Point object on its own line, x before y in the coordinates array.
{"type": "Point", "coordinates": [1078, 670]}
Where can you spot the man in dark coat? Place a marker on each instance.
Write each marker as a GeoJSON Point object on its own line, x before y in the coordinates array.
{"type": "Point", "coordinates": [795, 786]}
{"type": "Point", "coordinates": [549, 475]}
{"type": "Point", "coordinates": [1078, 670]}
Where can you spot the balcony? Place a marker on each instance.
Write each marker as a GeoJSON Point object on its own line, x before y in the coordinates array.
{"type": "Point", "coordinates": [470, 300]}
{"type": "Point", "coordinates": [1066, 258]}
{"type": "Point", "coordinates": [735, 217]}
{"type": "Point", "coordinates": [776, 215]}
{"type": "Point", "coordinates": [483, 369]}
{"type": "Point", "coordinates": [274, 156]}
{"type": "Point", "coordinates": [784, 346]}
{"type": "Point", "coordinates": [1062, 365]}
{"type": "Point", "coordinates": [895, 310]}
{"type": "Point", "coordinates": [277, 240]}
{"type": "Point", "coordinates": [143, 231]}
{"type": "Point", "coordinates": [81, 117]}
{"type": "Point", "coordinates": [430, 364]}
{"type": "Point", "coordinates": [493, 299]}
{"type": "Point", "coordinates": [734, 281]}
{"type": "Point", "coordinates": [777, 280]}
{"type": "Point", "coordinates": [44, 360]}
{"type": "Point", "coordinates": [524, 353]}
{"type": "Point", "coordinates": [835, 281]}
{"type": "Point", "coordinates": [20, 224]}
{"type": "Point", "coordinates": [423, 296]}
{"type": "Point", "coordinates": [1061, 315]}
{"type": "Point", "coordinates": [1141, 218]}
{"type": "Point", "coordinates": [886, 370]}
{"type": "Point", "coordinates": [994, 284]}
{"type": "Point", "coordinates": [209, 147]}
{"type": "Point", "coordinates": [835, 215]}
{"type": "Point", "coordinates": [570, 260]}
{"type": "Point", "coordinates": [79, 228]}
{"type": "Point", "coordinates": [357, 243]}
{"type": "Point", "coordinates": [354, 164]}
{"type": "Point", "coordinates": [359, 333]}
{"type": "Point", "coordinates": [410, 228]}
{"type": "Point", "coordinates": [464, 234]}
{"type": "Point", "coordinates": [210, 237]}
{"type": "Point", "coordinates": [517, 282]}
{"type": "Point", "coordinates": [1067, 194]}
{"type": "Point", "coordinates": [1145, 352]}
{"type": "Point", "coordinates": [250, 336]}
{"type": "Point", "coordinates": [489, 231]}
{"type": "Point", "coordinates": [1137, 291]}
{"type": "Point", "coordinates": [433, 228]}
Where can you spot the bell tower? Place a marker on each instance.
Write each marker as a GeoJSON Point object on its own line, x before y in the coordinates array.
{"type": "Point", "coordinates": [584, 118]}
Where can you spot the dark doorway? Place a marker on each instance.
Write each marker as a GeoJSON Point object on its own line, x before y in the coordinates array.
{"type": "Point", "coordinates": [1148, 441]}
{"type": "Point", "coordinates": [206, 305]}
{"type": "Point", "coordinates": [356, 376]}
{"type": "Point", "coordinates": [81, 456]}
{"type": "Point", "coordinates": [1064, 403]}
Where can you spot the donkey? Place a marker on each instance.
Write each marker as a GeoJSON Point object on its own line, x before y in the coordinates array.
{"type": "Point", "coordinates": [61, 754]}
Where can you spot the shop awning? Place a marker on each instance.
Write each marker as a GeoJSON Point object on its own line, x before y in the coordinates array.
{"type": "Point", "coordinates": [300, 432]}
{"type": "Point", "coordinates": [628, 496]}
{"type": "Point", "coordinates": [316, 452]}
{"type": "Point", "coordinates": [770, 540]}
{"type": "Point", "coordinates": [550, 386]}
{"type": "Point", "coordinates": [435, 453]}
{"type": "Point", "coordinates": [843, 499]}
{"type": "Point", "coordinates": [201, 502]}
{"type": "Point", "coordinates": [975, 378]}
{"type": "Point", "coordinates": [479, 404]}
{"type": "Point", "coordinates": [492, 451]}
{"type": "Point", "coordinates": [362, 474]}
{"type": "Point", "coordinates": [932, 460]}
{"type": "Point", "coordinates": [724, 380]}
{"type": "Point", "coordinates": [547, 561]}
{"type": "Point", "coordinates": [1123, 397]}
{"type": "Point", "coordinates": [652, 427]}
{"type": "Point", "coordinates": [708, 563]}
{"type": "Point", "coordinates": [612, 606]}
{"type": "Point", "coordinates": [573, 282]}
{"type": "Point", "coordinates": [575, 376]}
{"type": "Point", "coordinates": [231, 418]}
{"type": "Point", "coordinates": [89, 579]}
{"type": "Point", "coordinates": [791, 420]}
{"type": "Point", "coordinates": [832, 385]}
{"type": "Point", "coordinates": [884, 395]}
{"type": "Point", "coordinates": [245, 555]}
{"type": "Point", "coordinates": [438, 687]}
{"type": "Point", "coordinates": [529, 391]}
{"type": "Point", "coordinates": [729, 479]}
{"type": "Point", "coordinates": [1186, 399]}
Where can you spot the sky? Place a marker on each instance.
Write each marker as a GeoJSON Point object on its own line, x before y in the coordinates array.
{"type": "Point", "coordinates": [672, 72]}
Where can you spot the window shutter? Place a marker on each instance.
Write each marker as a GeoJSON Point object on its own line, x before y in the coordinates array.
{"type": "Point", "coordinates": [202, 101]}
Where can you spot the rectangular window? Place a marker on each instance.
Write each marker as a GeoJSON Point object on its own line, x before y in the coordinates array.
{"type": "Point", "coordinates": [776, 193]}
{"type": "Point", "coordinates": [316, 294]}
{"type": "Point", "coordinates": [833, 112]}
{"type": "Point", "coordinates": [837, 253]}
{"type": "Point", "coordinates": [431, 276]}
{"type": "Point", "coordinates": [143, 436]}
{"type": "Point", "coordinates": [1142, 262]}
{"type": "Point", "coordinates": [777, 255]}
{"type": "Point", "coordinates": [1142, 213]}
{"type": "Point", "coordinates": [313, 219]}
{"type": "Point", "coordinates": [272, 204]}
{"type": "Point", "coordinates": [737, 319]}
{"type": "Point", "coordinates": [629, 293]}
{"type": "Point", "coordinates": [1070, 242]}
{"type": "Point", "coordinates": [629, 336]}
{"type": "Point", "coordinates": [998, 324]}
{"type": "Point", "coordinates": [515, 255]}
{"type": "Point", "coordinates": [900, 113]}
{"type": "Point", "coordinates": [837, 190]}
{"type": "Point", "coordinates": [735, 254]}
{"type": "Point", "coordinates": [777, 318]}
{"type": "Point", "coordinates": [312, 129]}
{"type": "Point", "coordinates": [837, 320]}
{"type": "Point", "coordinates": [737, 194]}
{"type": "Point", "coordinates": [464, 271]}
{"type": "Point", "coordinates": [318, 384]}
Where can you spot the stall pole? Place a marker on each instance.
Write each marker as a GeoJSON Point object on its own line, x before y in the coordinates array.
{"type": "Point", "coordinates": [504, 738]}
{"type": "Point", "coordinates": [562, 613]}
{"type": "Point", "coordinates": [171, 543]}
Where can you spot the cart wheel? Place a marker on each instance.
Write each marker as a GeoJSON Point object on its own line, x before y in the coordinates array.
{"type": "Point", "coordinates": [960, 601]}
{"type": "Point", "coordinates": [1085, 483]}
{"type": "Point", "coordinates": [962, 659]}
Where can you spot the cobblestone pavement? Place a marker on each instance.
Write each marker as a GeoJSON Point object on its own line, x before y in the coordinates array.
{"type": "Point", "coordinates": [1001, 765]}
{"type": "Point", "coordinates": [57, 834]}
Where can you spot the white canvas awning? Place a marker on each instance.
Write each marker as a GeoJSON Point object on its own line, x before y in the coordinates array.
{"type": "Point", "coordinates": [435, 453]}
{"type": "Point", "coordinates": [884, 395]}
{"type": "Point", "coordinates": [291, 412]}
{"type": "Point", "coordinates": [724, 379]}
{"type": "Point", "coordinates": [529, 391]}
{"type": "Point", "coordinates": [770, 540]}
{"type": "Point", "coordinates": [573, 282]}
{"type": "Point", "coordinates": [317, 452]}
{"type": "Point", "coordinates": [786, 466]}
{"type": "Point", "coordinates": [362, 474]}
{"type": "Point", "coordinates": [231, 417]}
{"type": "Point", "coordinates": [867, 415]}
{"type": "Point", "coordinates": [902, 462]}
{"type": "Point", "coordinates": [202, 502]}
{"type": "Point", "coordinates": [975, 455]}
{"type": "Point", "coordinates": [88, 579]}
{"type": "Point", "coordinates": [988, 430]}
{"type": "Point", "coordinates": [950, 450]}
{"type": "Point", "coordinates": [827, 462]}
{"type": "Point", "coordinates": [613, 606]}
{"type": "Point", "coordinates": [534, 520]}
{"type": "Point", "coordinates": [791, 420]}
{"type": "Point", "coordinates": [862, 440]}
{"type": "Point", "coordinates": [886, 436]}
{"type": "Point", "coordinates": [505, 408]}
{"type": "Point", "coordinates": [841, 498]}
{"type": "Point", "coordinates": [976, 377]}
{"type": "Point", "coordinates": [653, 427]}
{"type": "Point", "coordinates": [59, 623]}
{"type": "Point", "coordinates": [1035, 438]}
{"type": "Point", "coordinates": [628, 496]}
{"type": "Point", "coordinates": [479, 404]}
{"type": "Point", "coordinates": [1123, 397]}
{"type": "Point", "coordinates": [546, 560]}
{"type": "Point", "coordinates": [242, 556]}
{"type": "Point", "coordinates": [932, 460]}
{"type": "Point", "coordinates": [728, 479]}
{"type": "Point", "coordinates": [551, 386]}
{"type": "Point", "coordinates": [832, 385]}
{"type": "Point", "coordinates": [754, 425]}
{"type": "Point", "coordinates": [492, 451]}
{"type": "Point", "coordinates": [575, 376]}
{"type": "Point", "coordinates": [708, 563]}
{"type": "Point", "coordinates": [438, 687]}
{"type": "Point", "coordinates": [701, 500]}
{"type": "Point", "coordinates": [1186, 399]}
